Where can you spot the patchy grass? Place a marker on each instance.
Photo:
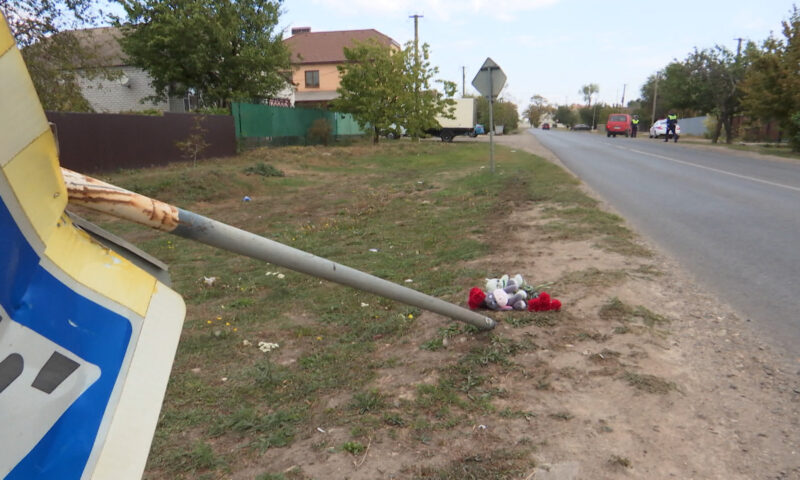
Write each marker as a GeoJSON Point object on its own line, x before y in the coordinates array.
{"type": "Point", "coordinates": [617, 311]}
{"type": "Point", "coordinates": [618, 461]}
{"type": "Point", "coordinates": [489, 464]}
{"type": "Point", "coordinates": [648, 383]}
{"type": "Point", "coordinates": [412, 213]}
{"type": "Point", "coordinates": [593, 277]}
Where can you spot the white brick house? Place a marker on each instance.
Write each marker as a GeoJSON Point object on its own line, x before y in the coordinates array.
{"type": "Point", "coordinates": [129, 91]}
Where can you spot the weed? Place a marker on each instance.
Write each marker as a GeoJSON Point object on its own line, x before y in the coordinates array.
{"type": "Point", "coordinates": [499, 464]}
{"type": "Point", "coordinates": [593, 277]}
{"type": "Point", "coordinates": [616, 460]}
{"type": "Point", "coordinates": [393, 419]}
{"type": "Point", "coordinates": [648, 383]}
{"type": "Point", "coordinates": [562, 416]}
{"type": "Point", "coordinates": [368, 401]}
{"type": "Point", "coordinates": [498, 352]}
{"type": "Point", "coordinates": [263, 169]}
{"type": "Point", "coordinates": [615, 310]}
{"type": "Point", "coordinates": [354, 447]}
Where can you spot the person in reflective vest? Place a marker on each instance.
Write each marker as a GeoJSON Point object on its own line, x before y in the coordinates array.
{"type": "Point", "coordinates": [672, 124]}
{"type": "Point", "coordinates": [634, 125]}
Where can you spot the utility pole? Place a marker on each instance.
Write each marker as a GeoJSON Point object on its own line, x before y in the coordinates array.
{"type": "Point", "coordinates": [463, 80]}
{"type": "Point", "coordinates": [624, 85]}
{"type": "Point", "coordinates": [416, 37]}
{"type": "Point", "coordinates": [655, 98]}
{"type": "Point", "coordinates": [417, 106]}
{"type": "Point", "coordinates": [738, 47]}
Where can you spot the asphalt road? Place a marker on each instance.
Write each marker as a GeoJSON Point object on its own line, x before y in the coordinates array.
{"type": "Point", "coordinates": [731, 220]}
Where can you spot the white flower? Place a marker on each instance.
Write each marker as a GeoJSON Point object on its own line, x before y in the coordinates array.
{"type": "Point", "coordinates": [209, 281]}
{"type": "Point", "coordinates": [267, 346]}
{"type": "Point", "coordinates": [281, 276]}
{"type": "Point", "coordinates": [364, 304]}
{"type": "Point", "coordinates": [246, 343]}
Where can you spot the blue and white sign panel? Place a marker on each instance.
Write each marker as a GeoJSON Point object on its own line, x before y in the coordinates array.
{"type": "Point", "coordinates": [60, 357]}
{"type": "Point", "coordinates": [87, 339]}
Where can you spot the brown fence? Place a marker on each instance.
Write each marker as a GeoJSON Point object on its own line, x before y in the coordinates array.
{"type": "Point", "coordinates": [103, 142]}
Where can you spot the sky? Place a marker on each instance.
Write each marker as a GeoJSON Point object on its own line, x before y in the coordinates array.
{"type": "Point", "coordinates": [551, 47]}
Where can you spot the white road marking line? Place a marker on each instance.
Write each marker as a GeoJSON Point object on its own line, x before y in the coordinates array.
{"type": "Point", "coordinates": [745, 177]}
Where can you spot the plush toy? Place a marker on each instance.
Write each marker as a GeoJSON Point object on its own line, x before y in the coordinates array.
{"type": "Point", "coordinates": [510, 293]}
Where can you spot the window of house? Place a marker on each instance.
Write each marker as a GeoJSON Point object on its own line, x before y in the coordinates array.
{"type": "Point", "coordinates": [312, 78]}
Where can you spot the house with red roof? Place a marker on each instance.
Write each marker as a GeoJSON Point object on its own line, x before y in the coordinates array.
{"type": "Point", "coordinates": [315, 56]}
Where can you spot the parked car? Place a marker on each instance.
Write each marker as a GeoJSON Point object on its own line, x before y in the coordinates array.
{"type": "Point", "coordinates": [395, 131]}
{"type": "Point", "coordinates": [618, 124]}
{"type": "Point", "coordinates": [659, 129]}
{"type": "Point", "coordinates": [581, 126]}
{"type": "Point", "coordinates": [545, 126]}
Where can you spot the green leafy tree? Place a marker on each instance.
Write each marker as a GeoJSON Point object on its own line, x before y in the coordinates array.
{"type": "Point", "coordinates": [221, 50]}
{"type": "Point", "coordinates": [566, 115]}
{"type": "Point", "coordinates": [425, 102]}
{"type": "Point", "coordinates": [504, 113]}
{"type": "Point", "coordinates": [772, 84]}
{"type": "Point", "coordinates": [382, 87]}
{"type": "Point", "coordinates": [538, 107]}
{"type": "Point", "coordinates": [708, 81]}
{"type": "Point", "coordinates": [55, 57]}
{"type": "Point", "coordinates": [587, 91]}
{"type": "Point", "coordinates": [507, 115]}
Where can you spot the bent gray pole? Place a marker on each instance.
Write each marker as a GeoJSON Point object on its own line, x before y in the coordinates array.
{"type": "Point", "coordinates": [104, 197]}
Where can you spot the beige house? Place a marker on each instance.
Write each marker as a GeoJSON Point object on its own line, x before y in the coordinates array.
{"type": "Point", "coordinates": [315, 56]}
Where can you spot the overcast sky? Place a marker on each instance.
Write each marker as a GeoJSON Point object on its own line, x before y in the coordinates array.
{"type": "Point", "coordinates": [552, 47]}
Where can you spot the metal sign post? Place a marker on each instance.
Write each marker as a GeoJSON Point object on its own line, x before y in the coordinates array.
{"type": "Point", "coordinates": [489, 80]}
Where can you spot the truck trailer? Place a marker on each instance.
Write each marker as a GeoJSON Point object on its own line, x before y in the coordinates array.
{"type": "Point", "coordinates": [464, 122]}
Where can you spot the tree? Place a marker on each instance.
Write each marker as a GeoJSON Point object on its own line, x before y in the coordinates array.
{"type": "Point", "coordinates": [565, 115]}
{"type": "Point", "coordinates": [503, 113]}
{"type": "Point", "coordinates": [706, 82]}
{"type": "Point", "coordinates": [538, 107]}
{"type": "Point", "coordinates": [55, 57]}
{"type": "Point", "coordinates": [221, 50]}
{"type": "Point", "coordinates": [426, 102]}
{"type": "Point", "coordinates": [772, 84]}
{"type": "Point", "coordinates": [587, 91]}
{"type": "Point", "coordinates": [382, 87]}
{"type": "Point", "coordinates": [711, 85]}
{"type": "Point", "coordinates": [506, 114]}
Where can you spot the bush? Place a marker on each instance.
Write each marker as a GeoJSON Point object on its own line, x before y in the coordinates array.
{"type": "Point", "coordinates": [263, 169]}
{"type": "Point", "coordinates": [320, 132]}
{"type": "Point", "coordinates": [794, 132]}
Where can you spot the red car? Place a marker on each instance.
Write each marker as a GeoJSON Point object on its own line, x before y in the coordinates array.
{"type": "Point", "coordinates": [545, 126]}
{"type": "Point", "coordinates": [618, 124]}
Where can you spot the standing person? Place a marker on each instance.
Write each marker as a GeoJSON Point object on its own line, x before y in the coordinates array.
{"type": "Point", "coordinates": [672, 123]}
{"type": "Point", "coordinates": [634, 125]}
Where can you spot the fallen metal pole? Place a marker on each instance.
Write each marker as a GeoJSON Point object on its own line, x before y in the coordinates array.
{"type": "Point", "coordinates": [104, 197]}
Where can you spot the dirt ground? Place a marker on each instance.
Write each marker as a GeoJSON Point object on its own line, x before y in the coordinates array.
{"type": "Point", "coordinates": [698, 397]}
{"type": "Point", "coordinates": [735, 410]}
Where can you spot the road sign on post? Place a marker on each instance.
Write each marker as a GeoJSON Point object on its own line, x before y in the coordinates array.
{"type": "Point", "coordinates": [489, 80]}
{"type": "Point", "coordinates": [87, 338]}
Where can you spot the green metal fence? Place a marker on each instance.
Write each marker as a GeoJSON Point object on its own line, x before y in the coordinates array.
{"type": "Point", "coordinates": [288, 125]}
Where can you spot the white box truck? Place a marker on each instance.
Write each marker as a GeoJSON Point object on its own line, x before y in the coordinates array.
{"type": "Point", "coordinates": [464, 122]}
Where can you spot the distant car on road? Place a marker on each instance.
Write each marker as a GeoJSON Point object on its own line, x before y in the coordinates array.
{"type": "Point", "coordinates": [545, 126]}
{"type": "Point", "coordinates": [659, 129]}
{"type": "Point", "coordinates": [581, 126]}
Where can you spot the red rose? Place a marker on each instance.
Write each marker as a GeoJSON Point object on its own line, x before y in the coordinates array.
{"type": "Point", "coordinates": [476, 298]}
